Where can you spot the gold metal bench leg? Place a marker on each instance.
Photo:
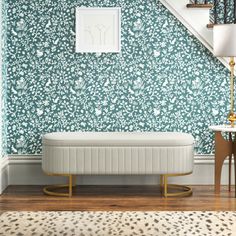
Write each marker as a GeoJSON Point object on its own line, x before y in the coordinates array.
{"type": "Point", "coordinates": [182, 189]}
{"type": "Point", "coordinates": [70, 185]}
{"type": "Point", "coordinates": [50, 190]}
{"type": "Point", "coordinates": [165, 185]}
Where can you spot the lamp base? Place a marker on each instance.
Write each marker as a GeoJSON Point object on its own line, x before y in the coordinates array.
{"type": "Point", "coordinates": [232, 119]}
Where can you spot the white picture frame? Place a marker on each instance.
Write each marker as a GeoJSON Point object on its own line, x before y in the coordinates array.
{"type": "Point", "coordinates": [98, 29]}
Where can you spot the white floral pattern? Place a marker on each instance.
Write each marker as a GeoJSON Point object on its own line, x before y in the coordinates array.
{"type": "Point", "coordinates": [3, 79]}
{"type": "Point", "coordinates": [163, 80]}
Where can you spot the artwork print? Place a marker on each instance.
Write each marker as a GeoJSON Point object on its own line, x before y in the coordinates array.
{"type": "Point", "coordinates": [97, 29]}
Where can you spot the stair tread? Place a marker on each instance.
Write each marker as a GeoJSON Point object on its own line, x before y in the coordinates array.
{"type": "Point", "coordinates": [210, 25]}
{"type": "Point", "coordinates": [199, 5]}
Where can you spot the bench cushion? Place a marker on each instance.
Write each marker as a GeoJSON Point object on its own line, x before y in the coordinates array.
{"type": "Point", "coordinates": [118, 139]}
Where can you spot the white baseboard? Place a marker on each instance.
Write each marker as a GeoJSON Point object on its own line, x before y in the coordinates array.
{"type": "Point", "coordinates": [26, 170]}
{"type": "Point", "coordinates": [3, 174]}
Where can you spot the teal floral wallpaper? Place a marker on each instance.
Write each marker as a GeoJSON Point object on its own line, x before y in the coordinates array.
{"type": "Point", "coordinates": [3, 76]}
{"type": "Point", "coordinates": [163, 80]}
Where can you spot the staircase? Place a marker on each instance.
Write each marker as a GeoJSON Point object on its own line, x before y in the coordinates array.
{"type": "Point", "coordinates": [221, 11]}
{"type": "Point", "coordinates": [200, 16]}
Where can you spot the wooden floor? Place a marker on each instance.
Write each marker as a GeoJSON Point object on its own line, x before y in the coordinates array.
{"type": "Point", "coordinates": [115, 198]}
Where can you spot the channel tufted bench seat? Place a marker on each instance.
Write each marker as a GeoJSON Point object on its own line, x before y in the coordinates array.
{"type": "Point", "coordinates": [118, 153]}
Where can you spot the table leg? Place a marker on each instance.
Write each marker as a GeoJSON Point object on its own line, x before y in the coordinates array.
{"type": "Point", "coordinates": [230, 164]}
{"type": "Point", "coordinates": [223, 148]}
{"type": "Point", "coordinates": [235, 174]}
{"type": "Point", "coordinates": [234, 154]}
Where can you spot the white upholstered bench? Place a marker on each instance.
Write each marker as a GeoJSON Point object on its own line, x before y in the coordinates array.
{"type": "Point", "coordinates": [118, 153]}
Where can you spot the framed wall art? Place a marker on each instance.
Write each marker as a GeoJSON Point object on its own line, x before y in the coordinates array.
{"type": "Point", "coordinates": [98, 29]}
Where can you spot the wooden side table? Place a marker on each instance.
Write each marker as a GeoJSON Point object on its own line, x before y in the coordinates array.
{"type": "Point", "coordinates": [224, 148]}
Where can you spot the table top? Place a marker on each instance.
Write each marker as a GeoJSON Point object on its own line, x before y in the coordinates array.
{"type": "Point", "coordinates": [223, 128]}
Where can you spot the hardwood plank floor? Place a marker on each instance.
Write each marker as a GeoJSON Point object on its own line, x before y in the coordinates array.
{"type": "Point", "coordinates": [116, 198]}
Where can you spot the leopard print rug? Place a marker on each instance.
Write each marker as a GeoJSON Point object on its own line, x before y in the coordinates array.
{"type": "Point", "coordinates": [102, 223]}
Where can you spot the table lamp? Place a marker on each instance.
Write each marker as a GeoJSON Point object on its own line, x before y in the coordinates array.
{"type": "Point", "coordinates": [224, 44]}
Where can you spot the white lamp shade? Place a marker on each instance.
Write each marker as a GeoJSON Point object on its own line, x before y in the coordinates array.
{"type": "Point", "coordinates": [224, 40]}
